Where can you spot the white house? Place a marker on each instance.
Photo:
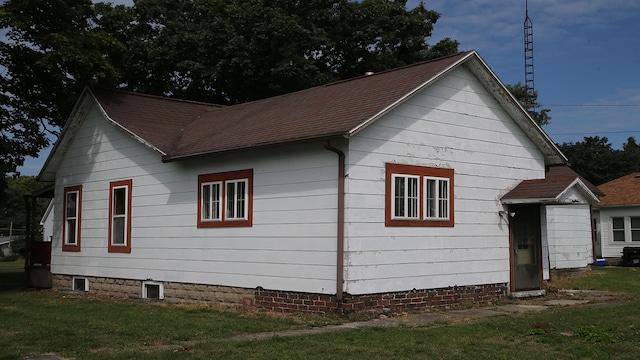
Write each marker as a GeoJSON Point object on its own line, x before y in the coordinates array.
{"type": "Point", "coordinates": [617, 216]}
{"type": "Point", "coordinates": [398, 190]}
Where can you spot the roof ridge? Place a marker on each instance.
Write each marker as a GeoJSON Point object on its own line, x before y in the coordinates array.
{"type": "Point", "coordinates": [158, 97]}
{"type": "Point", "coordinates": [419, 63]}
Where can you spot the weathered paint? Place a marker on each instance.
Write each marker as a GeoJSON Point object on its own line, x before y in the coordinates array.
{"type": "Point", "coordinates": [291, 245]}
{"type": "Point", "coordinates": [454, 123]}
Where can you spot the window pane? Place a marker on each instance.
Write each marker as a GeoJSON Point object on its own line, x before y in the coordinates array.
{"type": "Point", "coordinates": [71, 231]}
{"type": "Point", "coordinates": [118, 231]}
{"type": "Point", "coordinates": [399, 196]}
{"type": "Point", "coordinates": [153, 291]}
{"type": "Point", "coordinates": [412, 197]}
{"type": "Point", "coordinates": [215, 201]}
{"type": "Point", "coordinates": [635, 235]}
{"type": "Point", "coordinates": [71, 204]}
{"type": "Point", "coordinates": [206, 202]}
{"type": "Point", "coordinates": [240, 203]}
{"type": "Point", "coordinates": [431, 196]}
{"type": "Point", "coordinates": [444, 199]}
{"type": "Point", "coordinates": [119, 201]}
{"type": "Point", "coordinates": [618, 222]}
{"type": "Point", "coordinates": [231, 199]}
{"type": "Point", "coordinates": [618, 235]}
{"type": "Point", "coordinates": [635, 222]}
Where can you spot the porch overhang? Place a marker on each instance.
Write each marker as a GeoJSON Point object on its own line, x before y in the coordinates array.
{"type": "Point", "coordinates": [551, 191]}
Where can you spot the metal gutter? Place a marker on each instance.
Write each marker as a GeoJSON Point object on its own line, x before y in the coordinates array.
{"type": "Point", "coordinates": [340, 232]}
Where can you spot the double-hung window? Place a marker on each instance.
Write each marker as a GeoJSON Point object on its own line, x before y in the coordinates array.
{"type": "Point", "coordinates": [618, 228]}
{"type": "Point", "coordinates": [72, 214]}
{"type": "Point", "coordinates": [225, 199]}
{"type": "Point", "coordinates": [418, 196]}
{"type": "Point", "coordinates": [635, 228]}
{"type": "Point", "coordinates": [120, 216]}
{"type": "Point", "coordinates": [436, 198]}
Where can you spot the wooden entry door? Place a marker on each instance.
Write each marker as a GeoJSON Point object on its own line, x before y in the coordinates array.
{"type": "Point", "coordinates": [525, 244]}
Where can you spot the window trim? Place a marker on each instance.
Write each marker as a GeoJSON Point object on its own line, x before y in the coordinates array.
{"type": "Point", "coordinates": [65, 246]}
{"type": "Point", "coordinates": [145, 294]}
{"type": "Point", "coordinates": [393, 171]}
{"type": "Point", "coordinates": [127, 185]}
{"type": "Point", "coordinates": [622, 230]}
{"type": "Point", "coordinates": [224, 179]}
{"type": "Point", "coordinates": [632, 229]}
{"type": "Point", "coordinates": [84, 279]}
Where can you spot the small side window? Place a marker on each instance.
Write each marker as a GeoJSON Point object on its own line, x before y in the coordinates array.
{"type": "Point", "coordinates": [152, 290]}
{"type": "Point", "coordinates": [80, 284]}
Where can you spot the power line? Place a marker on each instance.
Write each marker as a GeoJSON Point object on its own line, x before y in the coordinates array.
{"type": "Point", "coordinates": [594, 105]}
{"type": "Point", "coordinates": [598, 132]}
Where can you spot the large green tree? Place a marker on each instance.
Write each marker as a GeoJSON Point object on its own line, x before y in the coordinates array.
{"type": "Point", "coordinates": [13, 209]}
{"type": "Point", "coordinates": [222, 51]}
{"type": "Point", "coordinates": [236, 51]}
{"type": "Point", "coordinates": [519, 91]}
{"type": "Point", "coordinates": [597, 160]}
{"type": "Point", "coordinates": [50, 50]}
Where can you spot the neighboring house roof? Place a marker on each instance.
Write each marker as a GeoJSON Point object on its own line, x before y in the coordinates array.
{"type": "Point", "coordinates": [557, 182]}
{"type": "Point", "coordinates": [47, 212]}
{"type": "Point", "coordinates": [178, 129]}
{"type": "Point", "coordinates": [621, 191]}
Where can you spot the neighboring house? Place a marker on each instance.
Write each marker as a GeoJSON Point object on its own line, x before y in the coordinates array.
{"type": "Point", "coordinates": [617, 216]}
{"type": "Point", "coordinates": [395, 190]}
{"type": "Point", "coordinates": [5, 246]}
{"type": "Point", "coordinates": [46, 223]}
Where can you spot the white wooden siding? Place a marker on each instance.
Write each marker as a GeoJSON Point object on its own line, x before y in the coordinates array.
{"type": "Point", "coordinates": [569, 236]}
{"type": "Point", "coordinates": [610, 248]}
{"type": "Point", "coordinates": [291, 245]}
{"type": "Point", "coordinates": [454, 123]}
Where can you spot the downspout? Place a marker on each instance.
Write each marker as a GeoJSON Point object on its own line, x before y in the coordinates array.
{"type": "Point", "coordinates": [340, 234]}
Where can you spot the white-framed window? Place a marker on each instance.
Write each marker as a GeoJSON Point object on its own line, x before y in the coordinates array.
{"type": "Point", "coordinates": [436, 198]}
{"type": "Point", "coordinates": [211, 201]}
{"type": "Point", "coordinates": [617, 224]}
{"type": "Point", "coordinates": [120, 216]}
{"type": "Point", "coordinates": [418, 196]}
{"type": "Point", "coordinates": [635, 228]}
{"type": "Point", "coordinates": [406, 196]}
{"type": "Point", "coordinates": [225, 199]}
{"type": "Point", "coordinates": [152, 290]}
{"type": "Point", "coordinates": [72, 216]}
{"type": "Point", "coordinates": [80, 284]}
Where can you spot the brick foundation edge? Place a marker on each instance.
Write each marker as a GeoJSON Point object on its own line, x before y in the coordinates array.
{"type": "Point", "coordinates": [442, 298]}
{"type": "Point", "coordinates": [288, 301]}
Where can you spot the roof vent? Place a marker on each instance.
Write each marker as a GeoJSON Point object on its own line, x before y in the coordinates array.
{"type": "Point", "coordinates": [369, 73]}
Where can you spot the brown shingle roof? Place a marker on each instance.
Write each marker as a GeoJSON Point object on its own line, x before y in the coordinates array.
{"type": "Point", "coordinates": [157, 120]}
{"type": "Point", "coordinates": [557, 179]}
{"type": "Point", "coordinates": [323, 111]}
{"type": "Point", "coordinates": [621, 191]}
{"type": "Point", "coordinates": [181, 128]}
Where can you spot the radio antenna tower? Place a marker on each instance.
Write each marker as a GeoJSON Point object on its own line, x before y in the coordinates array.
{"type": "Point", "coordinates": [528, 59]}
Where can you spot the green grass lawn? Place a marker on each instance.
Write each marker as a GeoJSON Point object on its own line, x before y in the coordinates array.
{"type": "Point", "coordinates": [86, 328]}
{"type": "Point", "coordinates": [12, 265]}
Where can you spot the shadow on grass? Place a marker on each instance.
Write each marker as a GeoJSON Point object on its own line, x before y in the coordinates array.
{"type": "Point", "coordinates": [12, 279]}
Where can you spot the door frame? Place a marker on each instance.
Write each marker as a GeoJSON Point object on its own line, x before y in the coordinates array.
{"type": "Point", "coordinates": [514, 208]}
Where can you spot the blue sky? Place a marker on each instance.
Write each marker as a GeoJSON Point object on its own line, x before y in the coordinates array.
{"type": "Point", "coordinates": [586, 59]}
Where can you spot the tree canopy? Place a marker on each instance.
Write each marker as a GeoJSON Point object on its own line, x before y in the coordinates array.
{"type": "Point", "coordinates": [596, 160]}
{"type": "Point", "coordinates": [519, 91]}
{"type": "Point", "coordinates": [219, 51]}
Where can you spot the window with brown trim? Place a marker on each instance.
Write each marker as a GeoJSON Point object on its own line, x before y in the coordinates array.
{"type": "Point", "coordinates": [418, 196]}
{"type": "Point", "coordinates": [225, 199]}
{"type": "Point", "coordinates": [120, 216]}
{"type": "Point", "coordinates": [72, 218]}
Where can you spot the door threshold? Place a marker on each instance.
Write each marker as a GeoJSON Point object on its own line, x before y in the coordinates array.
{"type": "Point", "coordinates": [528, 294]}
